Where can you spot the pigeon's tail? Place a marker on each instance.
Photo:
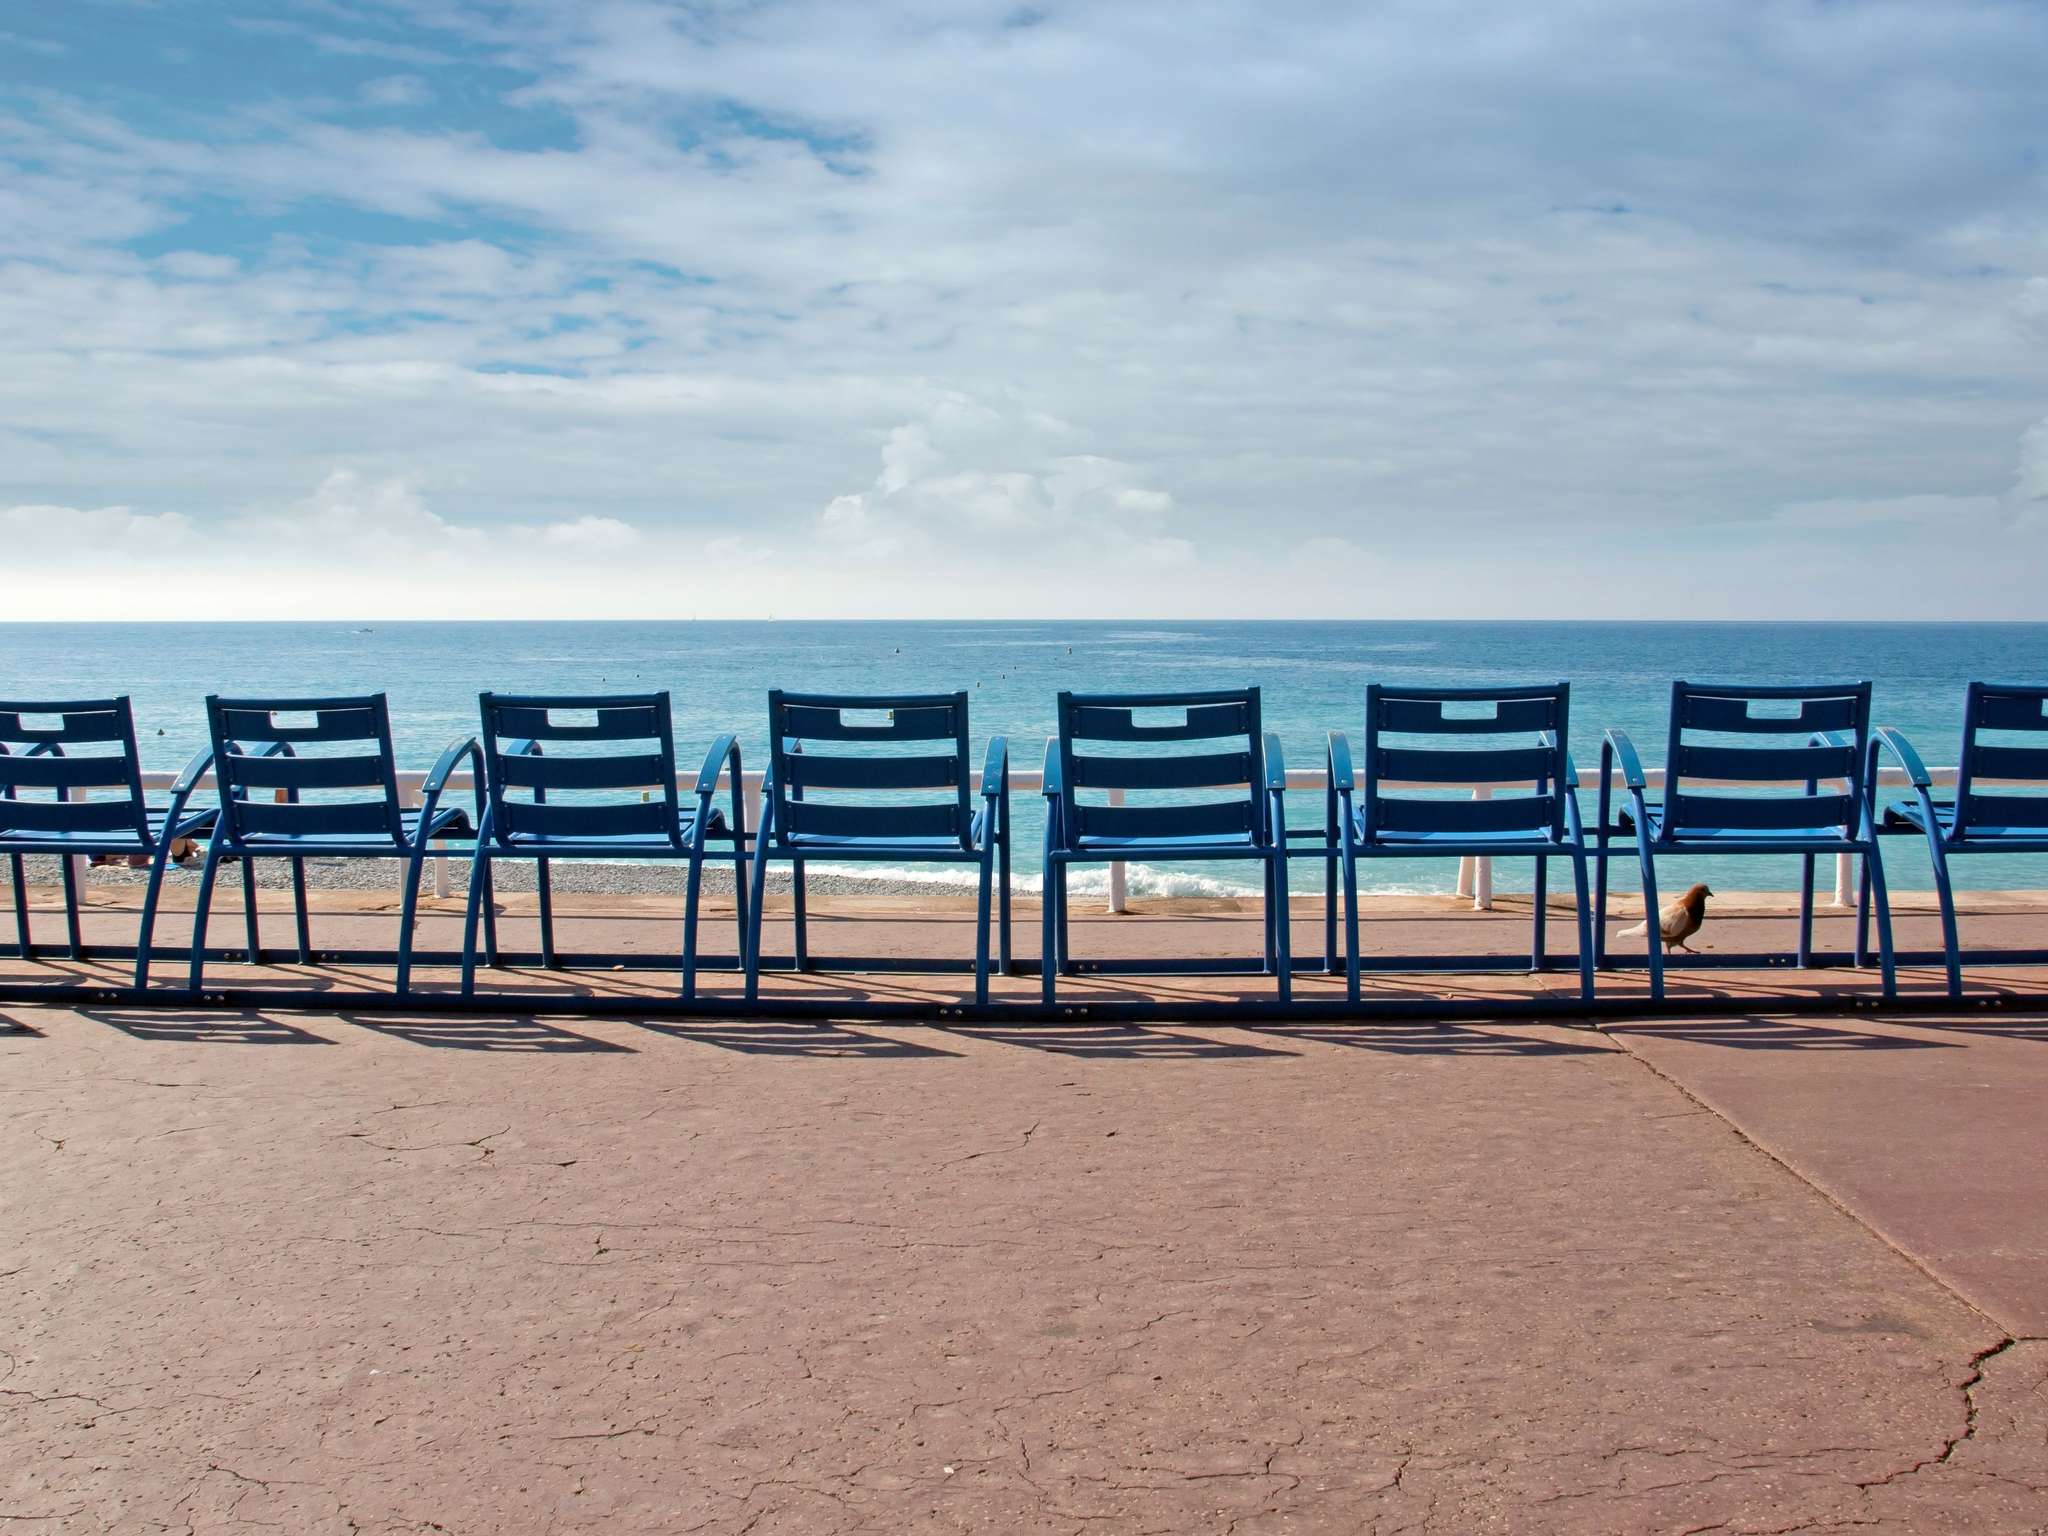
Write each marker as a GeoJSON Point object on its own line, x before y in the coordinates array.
{"type": "Point", "coordinates": [1640, 931]}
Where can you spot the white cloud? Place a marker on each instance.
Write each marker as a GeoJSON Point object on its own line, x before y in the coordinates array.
{"type": "Point", "coordinates": [348, 515]}
{"type": "Point", "coordinates": [2031, 483]}
{"type": "Point", "coordinates": [590, 535]}
{"type": "Point", "coordinates": [75, 539]}
{"type": "Point", "coordinates": [972, 483]}
{"type": "Point", "coordinates": [396, 91]}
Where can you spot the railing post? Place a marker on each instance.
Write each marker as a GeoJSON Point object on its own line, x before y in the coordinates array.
{"type": "Point", "coordinates": [1464, 875]}
{"type": "Point", "coordinates": [1119, 890]}
{"type": "Point", "coordinates": [1845, 879]}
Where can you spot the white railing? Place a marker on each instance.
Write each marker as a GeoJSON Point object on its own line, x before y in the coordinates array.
{"type": "Point", "coordinates": [1475, 875]}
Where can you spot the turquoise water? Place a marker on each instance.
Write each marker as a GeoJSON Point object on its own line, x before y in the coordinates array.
{"type": "Point", "coordinates": [1313, 675]}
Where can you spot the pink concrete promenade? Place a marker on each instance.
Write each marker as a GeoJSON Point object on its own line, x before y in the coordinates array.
{"type": "Point", "coordinates": [392, 1273]}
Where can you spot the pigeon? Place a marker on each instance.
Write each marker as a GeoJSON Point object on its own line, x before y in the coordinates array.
{"type": "Point", "coordinates": [1679, 921]}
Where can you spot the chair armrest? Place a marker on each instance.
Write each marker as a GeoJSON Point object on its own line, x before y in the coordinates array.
{"type": "Point", "coordinates": [726, 749]}
{"type": "Point", "coordinates": [189, 776]}
{"type": "Point", "coordinates": [525, 746]}
{"type": "Point", "coordinates": [444, 766]}
{"type": "Point", "coordinates": [1902, 749]}
{"type": "Point", "coordinates": [45, 748]}
{"type": "Point", "coordinates": [995, 768]}
{"type": "Point", "coordinates": [176, 823]}
{"type": "Point", "coordinates": [1338, 764]}
{"type": "Point", "coordinates": [1051, 779]}
{"type": "Point", "coordinates": [1624, 751]}
{"type": "Point", "coordinates": [1275, 763]}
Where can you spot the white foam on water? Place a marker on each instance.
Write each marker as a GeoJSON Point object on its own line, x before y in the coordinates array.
{"type": "Point", "coordinates": [1092, 882]}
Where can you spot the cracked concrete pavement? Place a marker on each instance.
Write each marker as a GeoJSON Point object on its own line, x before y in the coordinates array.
{"type": "Point", "coordinates": [320, 1274]}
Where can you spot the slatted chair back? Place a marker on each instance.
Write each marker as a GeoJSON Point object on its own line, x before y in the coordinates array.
{"type": "Point", "coordinates": [1408, 734]}
{"type": "Point", "coordinates": [605, 767]}
{"type": "Point", "coordinates": [1788, 718]}
{"type": "Point", "coordinates": [2005, 741]}
{"type": "Point", "coordinates": [886, 768]}
{"type": "Point", "coordinates": [1137, 744]}
{"type": "Point", "coordinates": [71, 769]}
{"type": "Point", "coordinates": [304, 768]}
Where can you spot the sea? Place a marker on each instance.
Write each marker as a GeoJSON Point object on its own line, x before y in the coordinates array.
{"type": "Point", "coordinates": [1313, 676]}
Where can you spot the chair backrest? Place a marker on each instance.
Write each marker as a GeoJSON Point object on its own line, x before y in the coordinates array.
{"type": "Point", "coordinates": [1140, 730]}
{"type": "Point", "coordinates": [1995, 709]}
{"type": "Point", "coordinates": [596, 759]}
{"type": "Point", "coordinates": [1789, 717]}
{"type": "Point", "coordinates": [823, 747]}
{"type": "Point", "coordinates": [304, 768]}
{"type": "Point", "coordinates": [60, 754]}
{"type": "Point", "coordinates": [1493, 714]}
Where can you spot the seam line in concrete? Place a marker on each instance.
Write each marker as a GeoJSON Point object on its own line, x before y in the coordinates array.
{"type": "Point", "coordinates": [2007, 1335]}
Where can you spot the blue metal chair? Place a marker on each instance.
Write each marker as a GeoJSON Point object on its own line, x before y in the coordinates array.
{"type": "Point", "coordinates": [1830, 724]}
{"type": "Point", "coordinates": [620, 746]}
{"type": "Point", "coordinates": [315, 778]}
{"type": "Point", "coordinates": [942, 825]}
{"type": "Point", "coordinates": [34, 756]}
{"type": "Point", "coordinates": [1539, 825]}
{"type": "Point", "coordinates": [1248, 825]}
{"type": "Point", "coordinates": [1972, 822]}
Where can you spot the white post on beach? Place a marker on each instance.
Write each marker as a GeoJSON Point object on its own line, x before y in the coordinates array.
{"type": "Point", "coordinates": [1845, 879]}
{"type": "Point", "coordinates": [1482, 867]}
{"type": "Point", "coordinates": [1119, 890]}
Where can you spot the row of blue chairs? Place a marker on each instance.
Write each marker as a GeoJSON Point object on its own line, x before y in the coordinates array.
{"type": "Point", "coordinates": [1151, 777]}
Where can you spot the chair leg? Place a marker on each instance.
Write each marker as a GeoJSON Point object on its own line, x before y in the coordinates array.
{"type": "Point", "coordinates": [21, 928]}
{"type": "Point", "coordinates": [1539, 910]}
{"type": "Point", "coordinates": [755, 912]}
{"type": "Point", "coordinates": [1279, 923]}
{"type": "Point", "coordinates": [740, 905]}
{"type": "Point", "coordinates": [1653, 940]}
{"type": "Point", "coordinates": [544, 880]}
{"type": "Point", "coordinates": [1862, 951]}
{"type": "Point", "coordinates": [1050, 946]}
{"type": "Point", "coordinates": [981, 913]}
{"type": "Point", "coordinates": [1061, 934]}
{"type": "Point", "coordinates": [1003, 955]}
{"type": "Point", "coordinates": [305, 931]}
{"type": "Point", "coordinates": [249, 919]}
{"type": "Point", "coordinates": [1585, 917]}
{"type": "Point", "coordinates": [1600, 907]}
{"type": "Point", "coordinates": [202, 902]}
{"type": "Point", "coordinates": [408, 915]}
{"type": "Point", "coordinates": [477, 906]}
{"type": "Point", "coordinates": [1886, 962]}
{"type": "Point", "coordinates": [490, 912]}
{"type": "Point", "coordinates": [74, 943]}
{"type": "Point", "coordinates": [799, 916]}
{"type": "Point", "coordinates": [1266, 922]}
{"type": "Point", "coordinates": [1951, 948]}
{"type": "Point", "coordinates": [1805, 956]}
{"type": "Point", "coordinates": [1351, 956]}
{"type": "Point", "coordinates": [1330, 911]}
{"type": "Point", "coordinates": [693, 888]}
{"type": "Point", "coordinates": [146, 928]}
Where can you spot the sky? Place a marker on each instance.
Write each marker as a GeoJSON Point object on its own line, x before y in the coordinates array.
{"type": "Point", "coordinates": [1203, 308]}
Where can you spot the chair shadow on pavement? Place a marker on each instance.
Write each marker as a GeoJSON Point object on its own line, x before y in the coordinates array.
{"type": "Point", "coordinates": [1126, 1042]}
{"type": "Point", "coordinates": [242, 1026]}
{"type": "Point", "coordinates": [1430, 1039]}
{"type": "Point", "coordinates": [795, 1039]}
{"type": "Point", "coordinates": [1751, 1032]}
{"type": "Point", "coordinates": [473, 1032]}
{"type": "Point", "coordinates": [1993, 1026]}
